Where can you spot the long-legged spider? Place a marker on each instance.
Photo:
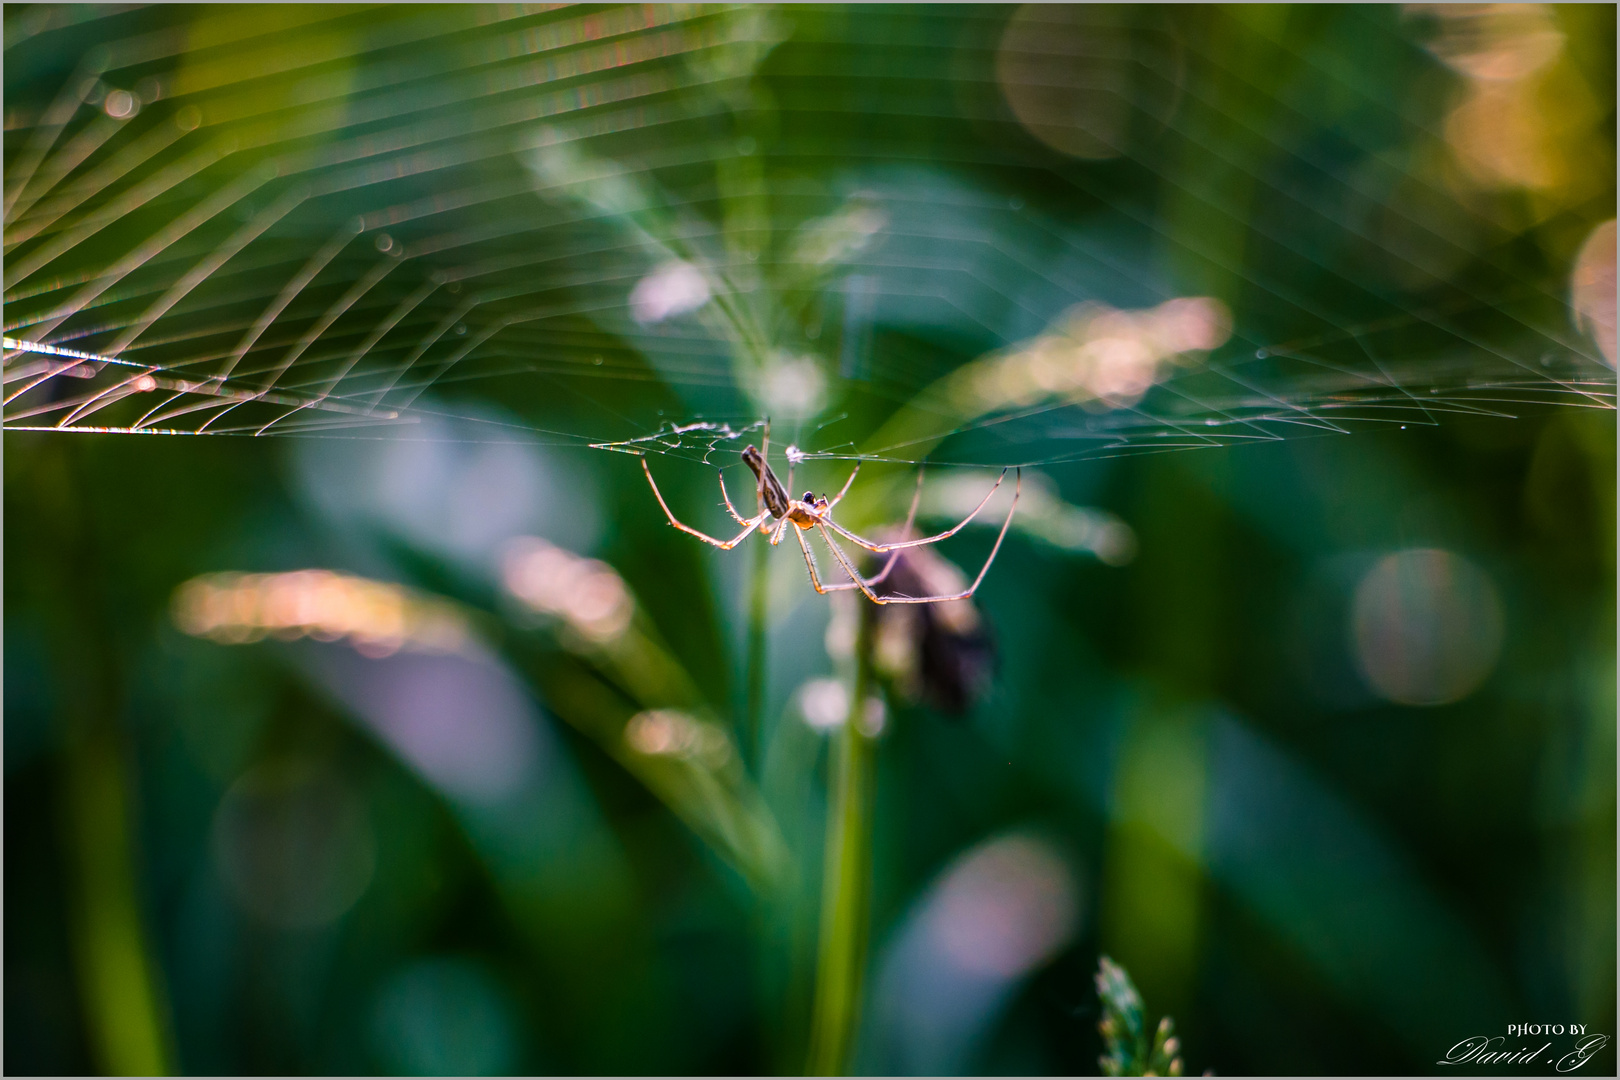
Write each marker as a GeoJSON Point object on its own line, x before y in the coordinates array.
{"type": "Point", "coordinates": [815, 513]}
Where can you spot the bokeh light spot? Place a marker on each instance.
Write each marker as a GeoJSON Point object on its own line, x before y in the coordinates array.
{"type": "Point", "coordinates": [675, 288]}
{"type": "Point", "coordinates": [1005, 907]}
{"type": "Point", "coordinates": [377, 619]}
{"type": "Point", "coordinates": [1427, 627]}
{"type": "Point", "coordinates": [824, 704]}
{"type": "Point", "coordinates": [1592, 289]}
{"type": "Point", "coordinates": [1066, 72]}
{"type": "Point", "coordinates": [121, 104]}
{"type": "Point", "coordinates": [586, 594]}
{"type": "Point", "coordinates": [1095, 355]}
{"type": "Point", "coordinates": [671, 733]}
{"type": "Point", "coordinates": [294, 844]}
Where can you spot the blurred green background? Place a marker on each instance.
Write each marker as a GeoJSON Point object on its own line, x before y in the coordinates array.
{"type": "Point", "coordinates": [1310, 724]}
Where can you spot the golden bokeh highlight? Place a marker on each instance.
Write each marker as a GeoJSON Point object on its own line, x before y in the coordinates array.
{"type": "Point", "coordinates": [671, 733]}
{"type": "Point", "coordinates": [376, 618]}
{"type": "Point", "coordinates": [1095, 355]}
{"type": "Point", "coordinates": [588, 595]}
{"type": "Point", "coordinates": [1592, 289]}
{"type": "Point", "coordinates": [1523, 114]}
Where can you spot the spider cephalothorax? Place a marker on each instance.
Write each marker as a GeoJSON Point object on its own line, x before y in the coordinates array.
{"type": "Point", "coordinates": [813, 513]}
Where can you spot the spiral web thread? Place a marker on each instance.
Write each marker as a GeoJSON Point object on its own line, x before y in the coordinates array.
{"type": "Point", "coordinates": [299, 220]}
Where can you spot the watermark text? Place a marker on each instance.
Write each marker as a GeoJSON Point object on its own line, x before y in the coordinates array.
{"type": "Point", "coordinates": [1575, 1046]}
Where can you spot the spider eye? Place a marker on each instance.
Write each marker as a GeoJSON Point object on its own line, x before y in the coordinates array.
{"type": "Point", "coordinates": [809, 497]}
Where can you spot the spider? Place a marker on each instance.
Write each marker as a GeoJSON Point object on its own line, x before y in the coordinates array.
{"type": "Point", "coordinates": [815, 513]}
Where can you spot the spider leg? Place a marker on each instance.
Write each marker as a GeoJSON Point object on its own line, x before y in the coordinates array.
{"type": "Point", "coordinates": [963, 595]}
{"type": "Point", "coordinates": [881, 575]}
{"type": "Point", "coordinates": [749, 525]}
{"type": "Point", "coordinates": [776, 534]}
{"type": "Point", "coordinates": [815, 578]}
{"type": "Point", "coordinates": [952, 531]}
{"type": "Point", "coordinates": [810, 564]}
{"type": "Point", "coordinates": [911, 516]}
{"type": "Point", "coordinates": [855, 582]}
{"type": "Point", "coordinates": [843, 490]}
{"type": "Point", "coordinates": [732, 510]}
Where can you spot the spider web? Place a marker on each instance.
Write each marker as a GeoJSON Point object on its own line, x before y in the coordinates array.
{"type": "Point", "coordinates": [646, 228]}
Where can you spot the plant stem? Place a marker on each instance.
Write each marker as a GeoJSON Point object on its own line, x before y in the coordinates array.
{"type": "Point", "coordinates": [752, 734]}
{"type": "Point", "coordinates": [122, 998]}
{"type": "Point", "coordinates": [120, 979]}
{"type": "Point", "coordinates": [847, 877]}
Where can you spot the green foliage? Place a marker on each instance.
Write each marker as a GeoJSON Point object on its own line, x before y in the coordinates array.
{"type": "Point", "coordinates": [448, 210]}
{"type": "Point", "coordinates": [1130, 1053]}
